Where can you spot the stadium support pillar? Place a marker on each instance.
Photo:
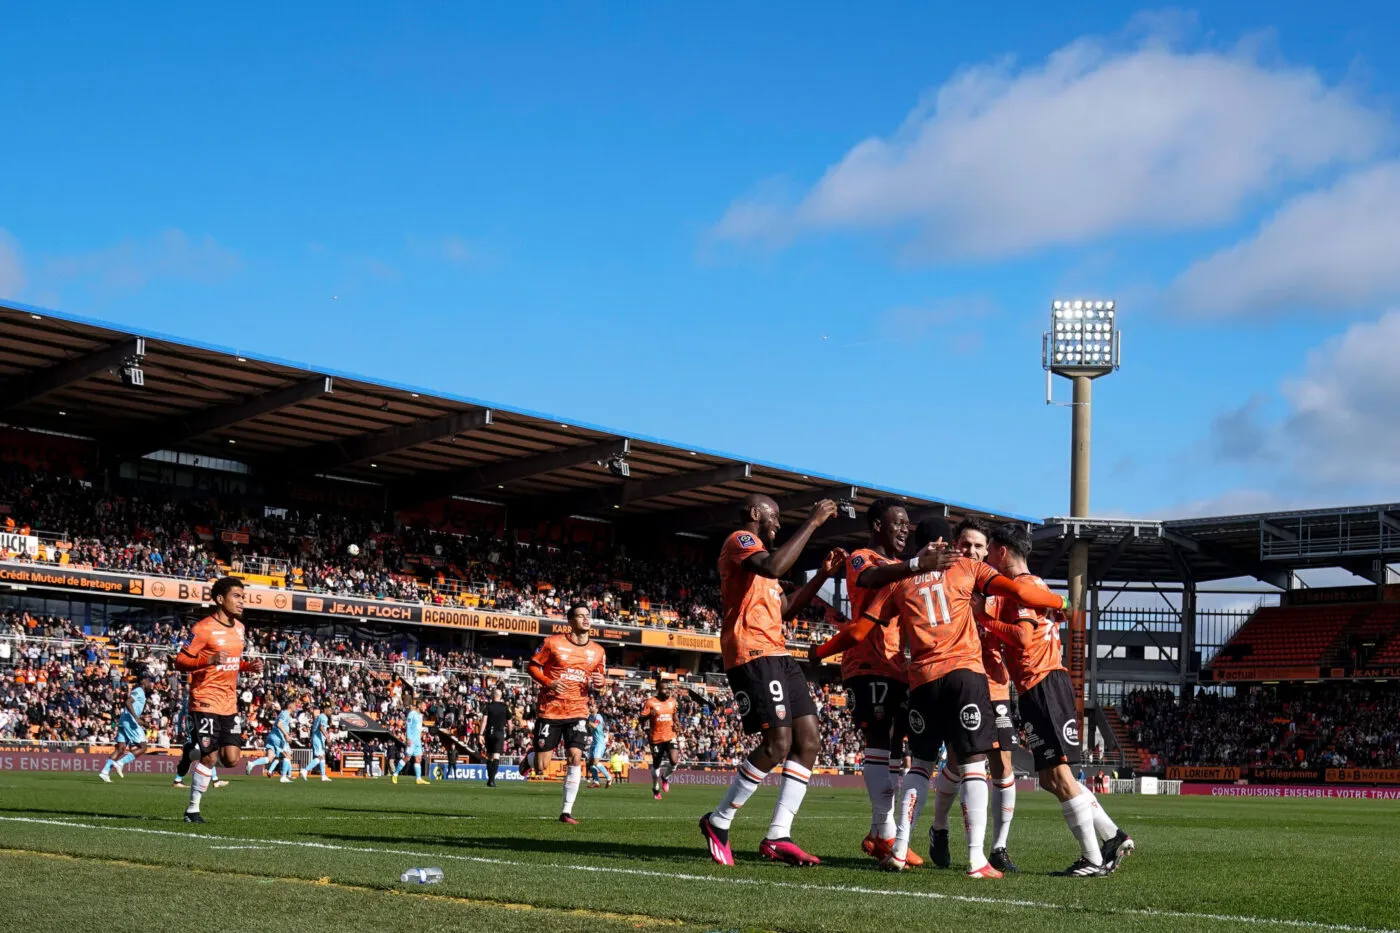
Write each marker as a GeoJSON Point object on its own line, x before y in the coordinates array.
{"type": "Point", "coordinates": [1094, 645]}
{"type": "Point", "coordinates": [1188, 636]}
{"type": "Point", "coordinates": [1079, 551]}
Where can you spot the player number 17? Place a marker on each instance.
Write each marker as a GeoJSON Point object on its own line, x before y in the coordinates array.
{"type": "Point", "coordinates": [938, 614]}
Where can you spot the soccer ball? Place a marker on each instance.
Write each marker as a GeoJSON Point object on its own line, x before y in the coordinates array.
{"type": "Point", "coordinates": [354, 550]}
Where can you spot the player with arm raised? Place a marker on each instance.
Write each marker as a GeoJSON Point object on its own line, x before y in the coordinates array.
{"type": "Point", "coordinates": [948, 698]}
{"type": "Point", "coordinates": [566, 667]}
{"type": "Point", "coordinates": [1030, 639]}
{"type": "Point", "coordinates": [659, 713]}
{"type": "Point", "coordinates": [213, 658]}
{"type": "Point", "coordinates": [970, 540]}
{"type": "Point", "coordinates": [872, 670]}
{"type": "Point", "coordinates": [131, 728]}
{"type": "Point", "coordinates": [770, 690]}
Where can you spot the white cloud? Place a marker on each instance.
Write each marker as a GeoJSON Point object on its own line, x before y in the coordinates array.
{"type": "Point", "coordinates": [1003, 161]}
{"type": "Point", "coordinates": [11, 266]}
{"type": "Point", "coordinates": [1336, 249]}
{"type": "Point", "coordinates": [1341, 428]}
{"type": "Point", "coordinates": [131, 264]}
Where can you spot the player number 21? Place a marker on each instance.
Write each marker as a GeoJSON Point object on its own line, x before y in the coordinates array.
{"type": "Point", "coordinates": [938, 614]}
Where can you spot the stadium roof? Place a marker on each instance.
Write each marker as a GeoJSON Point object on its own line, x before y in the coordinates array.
{"type": "Point", "coordinates": [1268, 546]}
{"type": "Point", "coordinates": [64, 373]}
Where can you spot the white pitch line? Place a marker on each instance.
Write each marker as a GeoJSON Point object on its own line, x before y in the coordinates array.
{"type": "Point", "coordinates": [713, 879]}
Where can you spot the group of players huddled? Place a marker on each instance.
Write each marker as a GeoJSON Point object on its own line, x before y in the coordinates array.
{"type": "Point", "coordinates": [928, 657]}
{"type": "Point", "coordinates": [932, 645]}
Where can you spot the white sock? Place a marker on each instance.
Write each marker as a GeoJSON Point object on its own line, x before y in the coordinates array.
{"type": "Point", "coordinates": [746, 780]}
{"type": "Point", "coordinates": [912, 797]}
{"type": "Point", "coordinates": [790, 794]}
{"type": "Point", "coordinates": [974, 808]}
{"type": "Point", "coordinates": [887, 831]}
{"type": "Point", "coordinates": [199, 784]}
{"type": "Point", "coordinates": [876, 771]}
{"type": "Point", "coordinates": [1079, 814]}
{"type": "Point", "coordinates": [1103, 823]}
{"type": "Point", "coordinates": [1003, 809]}
{"type": "Point", "coordinates": [945, 791]}
{"type": "Point", "coordinates": [572, 778]}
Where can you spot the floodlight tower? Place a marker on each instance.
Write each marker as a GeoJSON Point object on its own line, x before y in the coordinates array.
{"type": "Point", "coordinates": [1083, 343]}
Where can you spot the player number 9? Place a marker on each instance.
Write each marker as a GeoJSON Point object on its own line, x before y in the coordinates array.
{"type": "Point", "coordinates": [775, 687]}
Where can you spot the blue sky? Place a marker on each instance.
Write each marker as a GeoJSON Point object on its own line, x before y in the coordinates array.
{"type": "Point", "coordinates": [810, 234]}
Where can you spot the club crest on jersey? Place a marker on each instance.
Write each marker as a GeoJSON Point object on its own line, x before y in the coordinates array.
{"type": "Point", "coordinates": [781, 710]}
{"type": "Point", "coordinates": [916, 722]}
{"type": "Point", "coordinates": [742, 703]}
{"type": "Point", "coordinates": [1070, 730]}
{"type": "Point", "coordinates": [971, 717]}
{"type": "Point", "coordinates": [747, 540]}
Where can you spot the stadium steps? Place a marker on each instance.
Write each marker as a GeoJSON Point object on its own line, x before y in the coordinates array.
{"type": "Point", "coordinates": [1338, 652]}
{"type": "Point", "coordinates": [1124, 738]}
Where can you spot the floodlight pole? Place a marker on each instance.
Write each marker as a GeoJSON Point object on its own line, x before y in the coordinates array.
{"type": "Point", "coordinates": [1078, 577]}
{"type": "Point", "coordinates": [1082, 344]}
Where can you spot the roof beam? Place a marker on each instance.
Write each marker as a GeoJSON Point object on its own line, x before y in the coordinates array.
{"type": "Point", "coordinates": [727, 513]}
{"type": "Point", "coordinates": [1269, 528]}
{"type": "Point", "coordinates": [1389, 521]}
{"type": "Point", "coordinates": [628, 491]}
{"type": "Point", "coordinates": [1211, 550]}
{"type": "Point", "coordinates": [1101, 572]}
{"type": "Point", "coordinates": [500, 472]}
{"type": "Point", "coordinates": [28, 386]}
{"type": "Point", "coordinates": [1183, 569]}
{"type": "Point", "coordinates": [172, 431]}
{"type": "Point", "coordinates": [1062, 544]}
{"type": "Point", "coordinates": [338, 453]}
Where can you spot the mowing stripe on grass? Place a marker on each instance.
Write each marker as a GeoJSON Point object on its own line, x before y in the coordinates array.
{"type": "Point", "coordinates": [715, 879]}
{"type": "Point", "coordinates": [576, 912]}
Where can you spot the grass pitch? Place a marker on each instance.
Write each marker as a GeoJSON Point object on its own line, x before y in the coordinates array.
{"type": "Point", "coordinates": [76, 854]}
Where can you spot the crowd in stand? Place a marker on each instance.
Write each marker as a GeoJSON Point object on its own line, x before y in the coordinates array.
{"type": "Point", "coordinates": [345, 555]}
{"type": "Point", "coordinates": [70, 692]}
{"type": "Point", "coordinates": [1324, 726]}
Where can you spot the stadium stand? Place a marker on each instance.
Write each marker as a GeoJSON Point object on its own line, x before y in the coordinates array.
{"type": "Point", "coordinates": [1286, 641]}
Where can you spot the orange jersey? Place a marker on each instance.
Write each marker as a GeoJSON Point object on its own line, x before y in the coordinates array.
{"type": "Point", "coordinates": [880, 654]}
{"type": "Point", "coordinates": [213, 688]}
{"type": "Point", "coordinates": [567, 669]}
{"type": "Point", "coordinates": [935, 616]}
{"type": "Point", "coordinates": [753, 605]}
{"type": "Point", "coordinates": [998, 680]}
{"type": "Point", "coordinates": [1030, 638]}
{"type": "Point", "coordinates": [662, 715]}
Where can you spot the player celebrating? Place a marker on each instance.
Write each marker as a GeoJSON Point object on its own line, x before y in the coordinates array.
{"type": "Point", "coordinates": [598, 751]}
{"type": "Point", "coordinates": [948, 698]}
{"type": "Point", "coordinates": [413, 740]}
{"type": "Point", "coordinates": [319, 727]}
{"type": "Point", "coordinates": [131, 731]}
{"type": "Point", "coordinates": [872, 670]}
{"type": "Point", "coordinates": [1031, 641]}
{"type": "Point", "coordinates": [770, 690]}
{"type": "Point", "coordinates": [491, 726]}
{"type": "Point", "coordinates": [565, 667]}
{"type": "Point", "coordinates": [214, 657]}
{"type": "Point", "coordinates": [971, 537]}
{"type": "Point", "coordinates": [660, 714]}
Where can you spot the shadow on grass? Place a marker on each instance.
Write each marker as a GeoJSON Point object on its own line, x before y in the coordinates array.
{"type": "Point", "coordinates": [89, 813]}
{"type": "Point", "coordinates": [507, 845]}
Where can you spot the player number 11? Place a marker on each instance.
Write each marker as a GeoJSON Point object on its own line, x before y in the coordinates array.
{"type": "Point", "coordinates": [938, 615]}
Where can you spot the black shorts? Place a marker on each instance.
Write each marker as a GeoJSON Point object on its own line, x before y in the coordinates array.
{"type": "Point", "coordinates": [1006, 728]}
{"type": "Point", "coordinates": [572, 732]}
{"type": "Point", "coordinates": [878, 707]}
{"type": "Point", "coordinates": [1052, 722]}
{"type": "Point", "coordinates": [955, 710]}
{"type": "Point", "coordinates": [213, 732]}
{"type": "Point", "coordinates": [660, 750]}
{"type": "Point", "coordinates": [770, 692]}
{"type": "Point", "coordinates": [494, 743]}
